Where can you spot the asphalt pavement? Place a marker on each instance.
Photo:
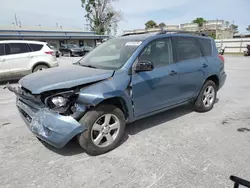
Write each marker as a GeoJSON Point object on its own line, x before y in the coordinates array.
{"type": "Point", "coordinates": [177, 148]}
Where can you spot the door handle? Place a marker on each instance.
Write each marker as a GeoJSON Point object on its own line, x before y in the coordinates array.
{"type": "Point", "coordinates": [30, 56]}
{"type": "Point", "coordinates": [2, 60]}
{"type": "Point", "coordinates": [172, 73]}
{"type": "Point", "coordinates": [204, 65]}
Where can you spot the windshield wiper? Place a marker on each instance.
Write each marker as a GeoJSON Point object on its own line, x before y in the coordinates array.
{"type": "Point", "coordinates": [90, 66]}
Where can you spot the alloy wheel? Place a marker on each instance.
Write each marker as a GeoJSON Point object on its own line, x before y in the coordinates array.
{"type": "Point", "coordinates": [105, 130]}
{"type": "Point", "coordinates": [208, 96]}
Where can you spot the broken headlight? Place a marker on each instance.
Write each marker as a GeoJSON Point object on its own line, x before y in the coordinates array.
{"type": "Point", "coordinates": [59, 101]}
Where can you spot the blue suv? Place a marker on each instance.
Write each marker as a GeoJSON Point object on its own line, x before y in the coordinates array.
{"type": "Point", "coordinates": [122, 80]}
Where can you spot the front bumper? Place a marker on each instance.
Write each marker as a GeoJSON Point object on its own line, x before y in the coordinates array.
{"type": "Point", "coordinates": [51, 127]}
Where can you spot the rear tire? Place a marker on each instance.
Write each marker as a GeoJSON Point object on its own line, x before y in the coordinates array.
{"type": "Point", "coordinates": [207, 97]}
{"type": "Point", "coordinates": [40, 68]}
{"type": "Point", "coordinates": [105, 127]}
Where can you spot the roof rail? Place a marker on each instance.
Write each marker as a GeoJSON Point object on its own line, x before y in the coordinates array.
{"type": "Point", "coordinates": [139, 33]}
{"type": "Point", "coordinates": [180, 31]}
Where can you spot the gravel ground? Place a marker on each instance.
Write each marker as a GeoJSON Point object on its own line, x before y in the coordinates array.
{"type": "Point", "coordinates": [178, 148]}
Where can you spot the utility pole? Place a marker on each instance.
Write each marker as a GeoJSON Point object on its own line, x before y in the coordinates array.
{"type": "Point", "coordinates": [16, 20]}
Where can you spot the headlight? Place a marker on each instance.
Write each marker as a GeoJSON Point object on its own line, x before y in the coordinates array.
{"type": "Point", "coordinates": [59, 101]}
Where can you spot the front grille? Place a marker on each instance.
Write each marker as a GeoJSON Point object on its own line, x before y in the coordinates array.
{"type": "Point", "coordinates": [25, 115]}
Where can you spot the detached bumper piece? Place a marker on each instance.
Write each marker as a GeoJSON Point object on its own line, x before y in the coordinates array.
{"type": "Point", "coordinates": [53, 128]}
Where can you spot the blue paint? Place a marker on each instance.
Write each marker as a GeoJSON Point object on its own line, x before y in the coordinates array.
{"type": "Point", "coordinates": [140, 94]}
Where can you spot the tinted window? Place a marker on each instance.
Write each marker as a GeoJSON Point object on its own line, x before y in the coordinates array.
{"type": "Point", "coordinates": [1, 49]}
{"type": "Point", "coordinates": [187, 48]}
{"type": "Point", "coordinates": [36, 47]}
{"type": "Point", "coordinates": [159, 52]}
{"type": "Point", "coordinates": [17, 48]}
{"type": "Point", "coordinates": [206, 46]}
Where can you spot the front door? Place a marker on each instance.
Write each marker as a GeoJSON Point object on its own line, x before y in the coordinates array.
{"type": "Point", "coordinates": [156, 89]}
{"type": "Point", "coordinates": [191, 66]}
{"type": "Point", "coordinates": [18, 58]}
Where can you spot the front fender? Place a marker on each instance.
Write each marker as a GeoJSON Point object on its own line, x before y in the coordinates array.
{"type": "Point", "coordinates": [116, 86]}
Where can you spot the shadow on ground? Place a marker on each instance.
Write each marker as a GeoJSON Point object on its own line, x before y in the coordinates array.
{"type": "Point", "coordinates": [73, 148]}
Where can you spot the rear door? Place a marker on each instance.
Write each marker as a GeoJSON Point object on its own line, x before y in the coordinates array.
{"type": "Point", "coordinates": [4, 71]}
{"type": "Point", "coordinates": [18, 58]}
{"type": "Point", "coordinates": [191, 66]}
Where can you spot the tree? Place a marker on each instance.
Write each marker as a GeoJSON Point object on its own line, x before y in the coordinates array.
{"type": "Point", "coordinates": [151, 24]}
{"type": "Point", "coordinates": [213, 35]}
{"type": "Point", "coordinates": [161, 25]}
{"type": "Point", "coordinates": [102, 17]}
{"type": "Point", "coordinates": [248, 28]}
{"type": "Point", "coordinates": [234, 28]}
{"type": "Point", "coordinates": [200, 21]}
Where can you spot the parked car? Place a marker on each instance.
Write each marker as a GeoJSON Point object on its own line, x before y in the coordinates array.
{"type": "Point", "coordinates": [144, 75]}
{"type": "Point", "coordinates": [56, 50]}
{"type": "Point", "coordinates": [19, 58]}
{"type": "Point", "coordinates": [71, 50]}
{"type": "Point", "coordinates": [86, 49]}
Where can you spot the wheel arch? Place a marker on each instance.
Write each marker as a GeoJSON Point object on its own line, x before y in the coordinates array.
{"type": "Point", "coordinates": [119, 102]}
{"type": "Point", "coordinates": [215, 79]}
{"type": "Point", "coordinates": [39, 63]}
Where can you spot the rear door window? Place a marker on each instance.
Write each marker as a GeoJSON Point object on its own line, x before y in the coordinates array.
{"type": "Point", "coordinates": [36, 47]}
{"type": "Point", "coordinates": [2, 50]}
{"type": "Point", "coordinates": [187, 48]}
{"type": "Point", "coordinates": [17, 48]}
{"type": "Point", "coordinates": [206, 46]}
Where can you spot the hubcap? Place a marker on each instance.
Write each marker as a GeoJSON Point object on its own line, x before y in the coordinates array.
{"type": "Point", "coordinates": [41, 69]}
{"type": "Point", "coordinates": [105, 130]}
{"type": "Point", "coordinates": [208, 96]}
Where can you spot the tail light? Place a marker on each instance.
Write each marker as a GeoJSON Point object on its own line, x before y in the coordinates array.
{"type": "Point", "coordinates": [51, 53]}
{"type": "Point", "coordinates": [222, 58]}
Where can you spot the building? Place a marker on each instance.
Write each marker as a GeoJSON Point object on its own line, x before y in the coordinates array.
{"type": "Point", "coordinates": [54, 36]}
{"type": "Point", "coordinates": [217, 28]}
{"type": "Point", "coordinates": [189, 27]}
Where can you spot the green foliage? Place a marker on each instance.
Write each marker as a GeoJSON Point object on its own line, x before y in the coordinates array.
{"type": "Point", "coordinates": [151, 24]}
{"type": "Point", "coordinates": [234, 28]}
{"type": "Point", "coordinates": [102, 18]}
{"type": "Point", "coordinates": [200, 21]}
{"type": "Point", "coordinates": [162, 24]}
{"type": "Point", "coordinates": [248, 28]}
{"type": "Point", "coordinates": [213, 35]}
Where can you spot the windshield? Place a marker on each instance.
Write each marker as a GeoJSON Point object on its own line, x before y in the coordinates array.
{"type": "Point", "coordinates": [112, 54]}
{"type": "Point", "coordinates": [72, 46]}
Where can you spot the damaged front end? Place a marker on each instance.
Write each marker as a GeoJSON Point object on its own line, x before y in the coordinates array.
{"type": "Point", "coordinates": [52, 116]}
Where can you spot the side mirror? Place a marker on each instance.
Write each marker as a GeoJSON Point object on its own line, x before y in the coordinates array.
{"type": "Point", "coordinates": [144, 65]}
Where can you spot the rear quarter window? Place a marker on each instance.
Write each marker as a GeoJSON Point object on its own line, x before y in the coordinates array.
{"type": "Point", "coordinates": [206, 45]}
{"type": "Point", "coordinates": [36, 47]}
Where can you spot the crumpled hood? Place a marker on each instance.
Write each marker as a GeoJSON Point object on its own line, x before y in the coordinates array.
{"type": "Point", "coordinates": [63, 78]}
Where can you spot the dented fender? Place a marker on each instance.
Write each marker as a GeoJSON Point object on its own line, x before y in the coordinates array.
{"type": "Point", "coordinates": [116, 86]}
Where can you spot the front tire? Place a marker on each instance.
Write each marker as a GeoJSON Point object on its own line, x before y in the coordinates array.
{"type": "Point", "coordinates": [105, 127]}
{"type": "Point", "coordinates": [40, 68]}
{"type": "Point", "coordinates": [207, 97]}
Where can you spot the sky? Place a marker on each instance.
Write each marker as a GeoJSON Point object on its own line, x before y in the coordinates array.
{"type": "Point", "coordinates": [70, 14]}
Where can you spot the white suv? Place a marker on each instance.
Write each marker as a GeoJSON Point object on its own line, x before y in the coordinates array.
{"type": "Point", "coordinates": [19, 58]}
